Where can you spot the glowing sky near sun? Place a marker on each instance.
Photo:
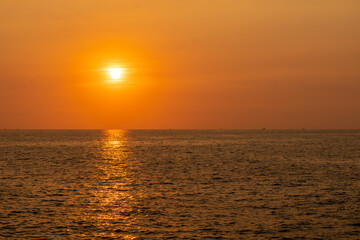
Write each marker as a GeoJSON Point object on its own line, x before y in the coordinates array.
{"type": "Point", "coordinates": [185, 64]}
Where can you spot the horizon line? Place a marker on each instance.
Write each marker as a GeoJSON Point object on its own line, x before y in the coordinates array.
{"type": "Point", "coordinates": [303, 129]}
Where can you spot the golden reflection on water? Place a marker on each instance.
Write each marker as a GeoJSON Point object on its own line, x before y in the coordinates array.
{"type": "Point", "coordinates": [114, 200]}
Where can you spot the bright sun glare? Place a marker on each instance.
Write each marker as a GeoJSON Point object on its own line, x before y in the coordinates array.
{"type": "Point", "coordinates": [116, 73]}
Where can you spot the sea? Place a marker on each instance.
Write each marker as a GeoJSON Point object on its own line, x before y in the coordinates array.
{"type": "Point", "coordinates": [179, 184]}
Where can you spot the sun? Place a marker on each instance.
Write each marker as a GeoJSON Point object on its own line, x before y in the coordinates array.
{"type": "Point", "coordinates": [116, 73]}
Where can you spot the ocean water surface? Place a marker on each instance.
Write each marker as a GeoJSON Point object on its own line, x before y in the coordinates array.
{"type": "Point", "coordinates": [179, 184]}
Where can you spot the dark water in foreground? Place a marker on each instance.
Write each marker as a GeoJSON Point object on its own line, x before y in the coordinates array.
{"type": "Point", "coordinates": [218, 184]}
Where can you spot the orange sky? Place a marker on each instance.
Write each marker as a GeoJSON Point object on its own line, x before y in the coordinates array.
{"type": "Point", "coordinates": [190, 64]}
